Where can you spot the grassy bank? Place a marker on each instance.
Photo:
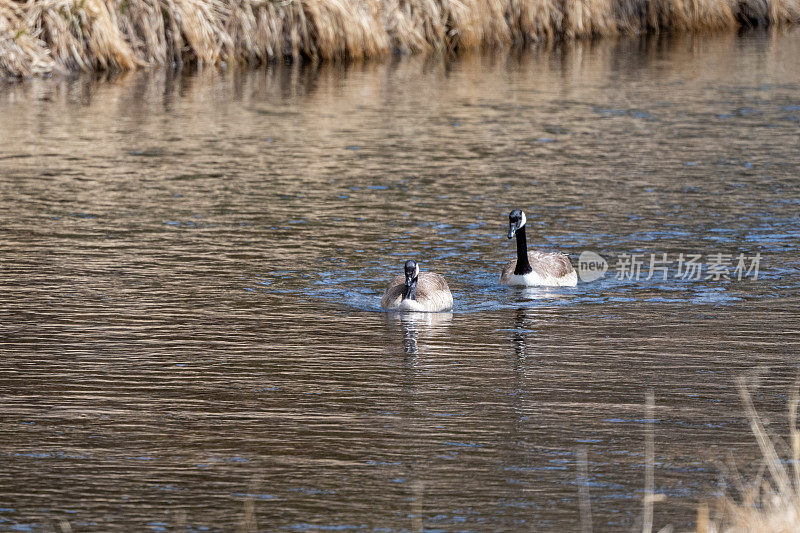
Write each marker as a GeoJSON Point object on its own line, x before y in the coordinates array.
{"type": "Point", "coordinates": [44, 36]}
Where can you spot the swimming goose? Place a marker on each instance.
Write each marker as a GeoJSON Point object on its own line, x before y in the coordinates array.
{"type": "Point", "coordinates": [535, 268]}
{"type": "Point", "coordinates": [417, 291]}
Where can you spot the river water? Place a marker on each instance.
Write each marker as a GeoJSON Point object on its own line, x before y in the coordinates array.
{"type": "Point", "coordinates": [191, 268]}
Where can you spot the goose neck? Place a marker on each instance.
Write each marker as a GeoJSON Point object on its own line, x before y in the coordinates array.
{"type": "Point", "coordinates": [410, 291]}
{"type": "Point", "coordinates": [523, 265]}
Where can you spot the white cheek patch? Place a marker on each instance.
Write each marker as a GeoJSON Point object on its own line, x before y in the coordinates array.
{"type": "Point", "coordinates": [523, 220]}
{"type": "Point", "coordinates": [416, 270]}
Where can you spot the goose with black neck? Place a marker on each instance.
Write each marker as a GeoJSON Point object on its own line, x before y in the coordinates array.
{"type": "Point", "coordinates": [535, 268]}
{"type": "Point", "coordinates": [417, 291]}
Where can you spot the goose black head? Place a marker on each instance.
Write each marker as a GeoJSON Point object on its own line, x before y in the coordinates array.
{"type": "Point", "coordinates": [412, 272]}
{"type": "Point", "coordinates": [516, 220]}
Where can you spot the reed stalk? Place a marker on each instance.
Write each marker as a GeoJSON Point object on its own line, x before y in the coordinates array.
{"type": "Point", "coordinates": [771, 504]}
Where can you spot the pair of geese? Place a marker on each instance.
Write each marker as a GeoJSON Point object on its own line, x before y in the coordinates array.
{"type": "Point", "coordinates": [427, 291]}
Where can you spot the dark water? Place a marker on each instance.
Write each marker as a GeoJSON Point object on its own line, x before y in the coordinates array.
{"type": "Point", "coordinates": [191, 267]}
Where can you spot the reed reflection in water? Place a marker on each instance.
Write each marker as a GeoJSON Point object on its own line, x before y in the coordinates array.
{"type": "Point", "coordinates": [192, 267]}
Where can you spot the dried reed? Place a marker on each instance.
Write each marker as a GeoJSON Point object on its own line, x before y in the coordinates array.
{"type": "Point", "coordinates": [768, 505]}
{"type": "Point", "coordinates": [43, 36]}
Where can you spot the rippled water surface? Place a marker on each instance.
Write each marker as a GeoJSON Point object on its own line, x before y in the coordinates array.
{"type": "Point", "coordinates": [191, 267]}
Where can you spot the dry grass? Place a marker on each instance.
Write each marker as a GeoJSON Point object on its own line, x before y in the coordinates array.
{"type": "Point", "coordinates": [772, 503]}
{"type": "Point", "coordinates": [43, 36]}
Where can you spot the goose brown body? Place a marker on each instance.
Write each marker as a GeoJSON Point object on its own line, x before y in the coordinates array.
{"type": "Point", "coordinates": [432, 294]}
{"type": "Point", "coordinates": [547, 268]}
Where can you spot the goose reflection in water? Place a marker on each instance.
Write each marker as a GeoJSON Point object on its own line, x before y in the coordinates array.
{"type": "Point", "coordinates": [417, 326]}
{"type": "Point", "coordinates": [518, 336]}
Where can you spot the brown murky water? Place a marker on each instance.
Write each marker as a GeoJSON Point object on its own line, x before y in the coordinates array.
{"type": "Point", "coordinates": [191, 269]}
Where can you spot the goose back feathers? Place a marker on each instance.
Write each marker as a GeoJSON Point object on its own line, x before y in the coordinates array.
{"type": "Point", "coordinates": [547, 268]}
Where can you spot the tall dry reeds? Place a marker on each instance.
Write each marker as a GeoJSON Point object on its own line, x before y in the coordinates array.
{"type": "Point", "coordinates": [43, 36]}
{"type": "Point", "coordinates": [771, 503]}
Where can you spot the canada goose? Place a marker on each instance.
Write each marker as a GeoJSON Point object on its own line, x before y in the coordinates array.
{"type": "Point", "coordinates": [535, 268]}
{"type": "Point", "coordinates": [417, 291]}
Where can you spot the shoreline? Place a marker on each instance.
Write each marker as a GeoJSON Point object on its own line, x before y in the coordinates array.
{"type": "Point", "coordinates": [43, 38]}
